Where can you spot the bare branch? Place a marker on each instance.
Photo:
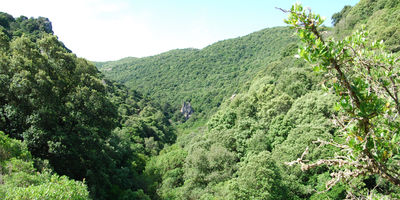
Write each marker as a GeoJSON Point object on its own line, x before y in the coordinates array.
{"type": "Point", "coordinates": [283, 10]}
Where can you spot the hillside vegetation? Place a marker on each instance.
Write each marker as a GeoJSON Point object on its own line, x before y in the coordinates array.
{"type": "Point", "coordinates": [278, 113]}
{"type": "Point", "coordinates": [380, 17]}
{"type": "Point", "coordinates": [70, 129]}
{"type": "Point", "coordinates": [71, 120]}
{"type": "Point", "coordinates": [202, 77]}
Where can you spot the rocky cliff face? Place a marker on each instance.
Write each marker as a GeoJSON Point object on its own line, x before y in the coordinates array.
{"type": "Point", "coordinates": [187, 110]}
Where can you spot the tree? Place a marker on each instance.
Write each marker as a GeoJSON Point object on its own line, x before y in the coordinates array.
{"type": "Point", "coordinates": [340, 15]}
{"type": "Point", "coordinates": [20, 180]}
{"type": "Point", "coordinates": [258, 178]}
{"type": "Point", "coordinates": [366, 79]}
{"type": "Point", "coordinates": [57, 104]}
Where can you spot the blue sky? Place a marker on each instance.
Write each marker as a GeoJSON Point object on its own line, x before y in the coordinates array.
{"type": "Point", "coordinates": [101, 30]}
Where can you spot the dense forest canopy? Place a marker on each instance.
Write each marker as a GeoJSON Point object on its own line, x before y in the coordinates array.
{"type": "Point", "coordinates": [71, 129]}
{"type": "Point", "coordinates": [202, 77]}
{"type": "Point", "coordinates": [365, 78]}
{"type": "Point", "coordinates": [85, 127]}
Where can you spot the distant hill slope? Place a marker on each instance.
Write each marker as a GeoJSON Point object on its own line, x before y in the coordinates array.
{"type": "Point", "coordinates": [204, 77]}
{"type": "Point", "coordinates": [241, 153]}
{"type": "Point", "coordinates": [381, 18]}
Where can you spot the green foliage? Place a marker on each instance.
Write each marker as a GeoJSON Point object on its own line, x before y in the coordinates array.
{"type": "Point", "coordinates": [258, 178]}
{"type": "Point", "coordinates": [165, 173]}
{"type": "Point", "coordinates": [242, 153]}
{"type": "Point", "coordinates": [32, 27]}
{"type": "Point", "coordinates": [340, 15]}
{"type": "Point", "coordinates": [64, 110]}
{"type": "Point", "coordinates": [203, 77]}
{"type": "Point", "coordinates": [270, 122]}
{"type": "Point", "coordinates": [142, 119]}
{"type": "Point", "coordinates": [20, 180]}
{"type": "Point", "coordinates": [364, 77]}
{"type": "Point", "coordinates": [256, 109]}
{"type": "Point", "coordinates": [57, 104]}
{"type": "Point", "coordinates": [55, 187]}
{"type": "Point", "coordinates": [381, 18]}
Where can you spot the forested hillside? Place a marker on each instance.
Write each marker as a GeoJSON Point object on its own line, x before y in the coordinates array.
{"type": "Point", "coordinates": [279, 111]}
{"type": "Point", "coordinates": [381, 18]}
{"type": "Point", "coordinates": [71, 120]}
{"type": "Point", "coordinates": [208, 76]}
{"type": "Point", "coordinates": [282, 113]}
{"type": "Point", "coordinates": [205, 77]}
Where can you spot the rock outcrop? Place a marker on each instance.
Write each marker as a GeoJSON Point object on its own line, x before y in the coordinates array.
{"type": "Point", "coordinates": [187, 110]}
